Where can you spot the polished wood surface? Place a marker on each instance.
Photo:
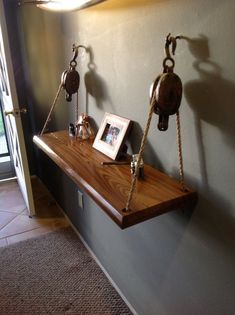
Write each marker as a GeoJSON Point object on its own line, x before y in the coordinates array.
{"type": "Point", "coordinates": [108, 185]}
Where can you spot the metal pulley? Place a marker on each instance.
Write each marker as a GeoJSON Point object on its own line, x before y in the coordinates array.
{"type": "Point", "coordinates": [165, 98]}
{"type": "Point", "coordinates": [166, 90]}
{"type": "Point", "coordinates": [70, 79]}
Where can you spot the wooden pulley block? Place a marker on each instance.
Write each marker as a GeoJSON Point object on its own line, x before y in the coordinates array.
{"type": "Point", "coordinates": [167, 93]}
{"type": "Point", "coordinates": [71, 81]}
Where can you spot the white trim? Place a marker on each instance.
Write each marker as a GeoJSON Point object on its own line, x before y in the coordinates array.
{"type": "Point", "coordinates": [10, 179]}
{"type": "Point", "coordinates": [101, 266]}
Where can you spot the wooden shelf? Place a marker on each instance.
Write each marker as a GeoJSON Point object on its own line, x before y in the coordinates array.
{"type": "Point", "coordinates": [109, 185]}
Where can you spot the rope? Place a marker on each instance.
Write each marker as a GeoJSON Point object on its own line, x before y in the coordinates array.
{"type": "Point", "coordinates": [52, 108]}
{"type": "Point", "coordinates": [143, 142]}
{"type": "Point", "coordinates": [179, 141]}
{"type": "Point", "coordinates": [76, 110]}
{"type": "Point", "coordinates": [134, 179]}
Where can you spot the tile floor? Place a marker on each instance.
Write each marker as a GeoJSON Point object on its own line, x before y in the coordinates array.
{"type": "Point", "coordinates": [15, 223]}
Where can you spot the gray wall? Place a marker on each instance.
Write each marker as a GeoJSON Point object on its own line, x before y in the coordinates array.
{"type": "Point", "coordinates": [178, 263]}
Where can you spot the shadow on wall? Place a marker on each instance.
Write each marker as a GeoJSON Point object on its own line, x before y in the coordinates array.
{"type": "Point", "coordinates": [211, 98]}
{"type": "Point", "coordinates": [44, 64]}
{"type": "Point", "coordinates": [95, 84]}
{"type": "Point", "coordinates": [135, 138]}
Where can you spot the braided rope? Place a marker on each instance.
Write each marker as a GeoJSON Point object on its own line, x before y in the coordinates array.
{"type": "Point", "coordinates": [76, 110]}
{"type": "Point", "coordinates": [179, 141]}
{"type": "Point", "coordinates": [144, 138]}
{"type": "Point", "coordinates": [52, 108]}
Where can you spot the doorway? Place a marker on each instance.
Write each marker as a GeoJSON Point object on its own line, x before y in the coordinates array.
{"type": "Point", "coordinates": [10, 105]}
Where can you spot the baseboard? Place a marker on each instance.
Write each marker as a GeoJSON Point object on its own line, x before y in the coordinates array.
{"type": "Point", "coordinates": [93, 255]}
{"type": "Point", "coordinates": [101, 267]}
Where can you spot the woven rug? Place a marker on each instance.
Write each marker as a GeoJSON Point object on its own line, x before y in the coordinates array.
{"type": "Point", "coordinates": [55, 274]}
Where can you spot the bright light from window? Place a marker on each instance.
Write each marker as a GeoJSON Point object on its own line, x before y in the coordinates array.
{"type": "Point", "coordinates": [67, 5]}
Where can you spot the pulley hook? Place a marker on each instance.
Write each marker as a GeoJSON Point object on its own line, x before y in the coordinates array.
{"type": "Point", "coordinates": [171, 40]}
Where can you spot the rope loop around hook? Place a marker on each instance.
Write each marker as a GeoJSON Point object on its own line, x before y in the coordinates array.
{"type": "Point", "coordinates": [166, 67]}
{"type": "Point", "coordinates": [73, 64]}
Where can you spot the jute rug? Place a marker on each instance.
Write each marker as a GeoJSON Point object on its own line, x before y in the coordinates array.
{"type": "Point", "coordinates": [55, 274]}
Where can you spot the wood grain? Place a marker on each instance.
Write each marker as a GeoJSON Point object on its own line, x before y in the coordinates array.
{"type": "Point", "coordinates": [108, 185]}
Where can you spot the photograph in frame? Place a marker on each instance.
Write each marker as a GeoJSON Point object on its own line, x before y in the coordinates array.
{"type": "Point", "coordinates": [111, 135]}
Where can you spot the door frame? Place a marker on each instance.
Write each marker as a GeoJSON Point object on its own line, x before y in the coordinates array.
{"type": "Point", "coordinates": [13, 121]}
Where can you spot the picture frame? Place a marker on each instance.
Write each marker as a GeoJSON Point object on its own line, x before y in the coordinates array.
{"type": "Point", "coordinates": [111, 135]}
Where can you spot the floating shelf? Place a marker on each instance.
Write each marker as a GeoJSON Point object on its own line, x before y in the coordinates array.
{"type": "Point", "coordinates": [108, 185]}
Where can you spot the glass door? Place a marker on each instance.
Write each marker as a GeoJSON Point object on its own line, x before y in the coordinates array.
{"type": "Point", "coordinates": [6, 165]}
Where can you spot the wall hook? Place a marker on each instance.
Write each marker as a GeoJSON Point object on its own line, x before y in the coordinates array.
{"type": "Point", "coordinates": [171, 40]}
{"type": "Point", "coordinates": [75, 50]}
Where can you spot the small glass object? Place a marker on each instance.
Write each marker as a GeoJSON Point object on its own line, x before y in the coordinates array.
{"type": "Point", "coordinates": [71, 130]}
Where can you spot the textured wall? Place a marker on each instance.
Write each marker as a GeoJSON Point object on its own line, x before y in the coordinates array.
{"type": "Point", "coordinates": [178, 263]}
